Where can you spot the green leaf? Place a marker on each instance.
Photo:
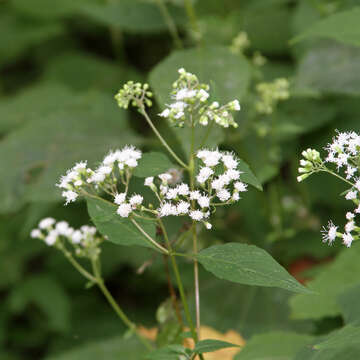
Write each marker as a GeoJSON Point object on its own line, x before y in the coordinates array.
{"type": "Point", "coordinates": [228, 74]}
{"type": "Point", "coordinates": [120, 231]}
{"type": "Point", "coordinates": [170, 352]}
{"type": "Point", "coordinates": [48, 295]}
{"type": "Point", "coordinates": [247, 264]}
{"type": "Point", "coordinates": [210, 345]}
{"type": "Point", "coordinates": [248, 176]}
{"type": "Point", "coordinates": [273, 346]}
{"type": "Point", "coordinates": [133, 15]}
{"type": "Point", "coordinates": [114, 348]}
{"type": "Point", "coordinates": [348, 302]}
{"type": "Point", "coordinates": [329, 68]}
{"type": "Point", "coordinates": [343, 26]}
{"type": "Point", "coordinates": [345, 337]}
{"type": "Point", "coordinates": [153, 163]}
{"type": "Point", "coordinates": [43, 149]}
{"type": "Point", "coordinates": [339, 276]}
{"type": "Point", "coordinates": [20, 35]}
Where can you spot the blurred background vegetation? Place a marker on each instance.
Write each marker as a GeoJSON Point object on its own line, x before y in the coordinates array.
{"type": "Point", "coordinates": [62, 61]}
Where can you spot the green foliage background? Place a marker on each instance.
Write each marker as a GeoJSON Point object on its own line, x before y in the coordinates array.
{"type": "Point", "coordinates": [62, 61]}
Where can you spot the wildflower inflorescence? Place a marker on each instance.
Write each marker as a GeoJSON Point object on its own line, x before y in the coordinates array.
{"type": "Point", "coordinates": [190, 104]}
{"type": "Point", "coordinates": [135, 94]}
{"type": "Point", "coordinates": [218, 182]}
{"type": "Point", "coordinates": [84, 241]}
{"type": "Point", "coordinates": [344, 152]}
{"type": "Point", "coordinates": [270, 94]}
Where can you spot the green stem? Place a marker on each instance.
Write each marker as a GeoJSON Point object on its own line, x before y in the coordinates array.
{"type": "Point", "coordinates": [338, 176]}
{"type": "Point", "coordinates": [149, 238]}
{"type": "Point", "coordinates": [162, 140]}
{"type": "Point", "coordinates": [78, 267]}
{"type": "Point", "coordinates": [170, 23]}
{"type": "Point", "coordinates": [116, 307]}
{"type": "Point", "coordinates": [179, 283]}
{"type": "Point", "coordinates": [190, 11]}
{"type": "Point", "coordinates": [208, 131]}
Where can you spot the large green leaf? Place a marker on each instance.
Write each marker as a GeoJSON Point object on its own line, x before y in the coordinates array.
{"type": "Point", "coordinates": [48, 295]}
{"type": "Point", "coordinates": [111, 349]}
{"type": "Point", "coordinates": [330, 68]}
{"type": "Point", "coordinates": [153, 163]}
{"type": "Point", "coordinates": [227, 74]}
{"type": "Point", "coordinates": [343, 26]}
{"type": "Point", "coordinates": [19, 35]}
{"type": "Point", "coordinates": [247, 264]}
{"type": "Point", "coordinates": [119, 230]}
{"type": "Point", "coordinates": [348, 302]}
{"type": "Point", "coordinates": [339, 276]}
{"type": "Point", "coordinates": [36, 155]}
{"type": "Point", "coordinates": [248, 176]}
{"type": "Point", "coordinates": [273, 346]}
{"type": "Point", "coordinates": [210, 345]}
{"type": "Point", "coordinates": [132, 15]}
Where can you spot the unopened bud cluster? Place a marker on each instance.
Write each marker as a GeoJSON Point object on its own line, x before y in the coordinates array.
{"type": "Point", "coordinates": [85, 241]}
{"type": "Point", "coordinates": [311, 163]}
{"type": "Point", "coordinates": [270, 94]}
{"type": "Point", "coordinates": [191, 105]}
{"type": "Point", "coordinates": [240, 43]}
{"type": "Point", "coordinates": [135, 94]}
{"type": "Point", "coordinates": [344, 152]}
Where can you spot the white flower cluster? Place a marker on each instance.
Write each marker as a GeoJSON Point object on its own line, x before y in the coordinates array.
{"type": "Point", "coordinates": [117, 164]}
{"type": "Point", "coordinates": [55, 233]}
{"type": "Point", "coordinates": [135, 94]}
{"type": "Point", "coordinates": [344, 152]}
{"type": "Point", "coordinates": [191, 98]}
{"type": "Point", "coordinates": [219, 182]}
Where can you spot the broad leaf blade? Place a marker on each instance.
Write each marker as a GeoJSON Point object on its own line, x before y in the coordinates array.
{"type": "Point", "coordinates": [153, 163]}
{"type": "Point", "coordinates": [247, 264]}
{"type": "Point", "coordinates": [210, 345]}
{"type": "Point", "coordinates": [119, 230]}
{"type": "Point", "coordinates": [248, 176]}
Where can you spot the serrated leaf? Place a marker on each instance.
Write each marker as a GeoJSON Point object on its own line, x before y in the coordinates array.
{"type": "Point", "coordinates": [273, 346]}
{"type": "Point", "coordinates": [248, 176]}
{"type": "Point", "coordinates": [114, 348]}
{"type": "Point", "coordinates": [247, 264]}
{"type": "Point", "coordinates": [152, 163]}
{"type": "Point", "coordinates": [119, 230]}
{"type": "Point", "coordinates": [210, 345]}
{"type": "Point", "coordinates": [343, 26]}
{"type": "Point", "coordinates": [339, 276]}
{"type": "Point", "coordinates": [228, 74]}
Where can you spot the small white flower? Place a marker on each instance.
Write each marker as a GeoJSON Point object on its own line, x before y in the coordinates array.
{"type": "Point", "coordinates": [36, 234]}
{"type": "Point", "coordinates": [51, 238]}
{"type": "Point", "coordinates": [351, 195]}
{"type": "Point", "coordinates": [136, 200]}
{"type": "Point", "coordinates": [204, 174]}
{"type": "Point", "coordinates": [124, 210]}
{"type": "Point", "coordinates": [167, 209]}
{"type": "Point", "coordinates": [235, 196]}
{"type": "Point", "coordinates": [208, 225]}
{"type": "Point", "coordinates": [110, 159]}
{"type": "Point", "coordinates": [229, 161]}
{"type": "Point", "coordinates": [350, 226]}
{"type": "Point", "coordinates": [196, 215]}
{"type": "Point", "coordinates": [119, 198]}
{"type": "Point", "coordinates": [203, 95]}
{"type": "Point", "coordinates": [195, 195]}
{"type": "Point", "coordinates": [233, 174]}
{"type": "Point", "coordinates": [183, 189]}
{"type": "Point", "coordinates": [212, 159]}
{"type": "Point", "coordinates": [329, 233]}
{"type": "Point", "coordinates": [76, 237]}
{"type": "Point", "coordinates": [131, 163]}
{"type": "Point", "coordinates": [240, 186]}
{"type": "Point", "coordinates": [350, 215]}
{"type": "Point", "coordinates": [347, 239]}
{"type": "Point", "coordinates": [172, 193]}
{"type": "Point", "coordinates": [46, 223]}
{"type": "Point", "coordinates": [223, 195]}
{"type": "Point", "coordinates": [204, 201]}
{"type": "Point", "coordinates": [78, 183]}
{"type": "Point", "coordinates": [165, 113]}
{"type": "Point", "coordinates": [105, 170]}
{"type": "Point", "coordinates": [70, 196]}
{"type": "Point", "coordinates": [165, 177]}
{"type": "Point", "coordinates": [62, 228]}
{"type": "Point", "coordinates": [149, 181]}
{"type": "Point", "coordinates": [182, 207]}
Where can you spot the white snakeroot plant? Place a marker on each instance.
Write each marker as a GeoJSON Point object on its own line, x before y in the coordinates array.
{"type": "Point", "coordinates": [209, 178]}
{"type": "Point", "coordinates": [342, 160]}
